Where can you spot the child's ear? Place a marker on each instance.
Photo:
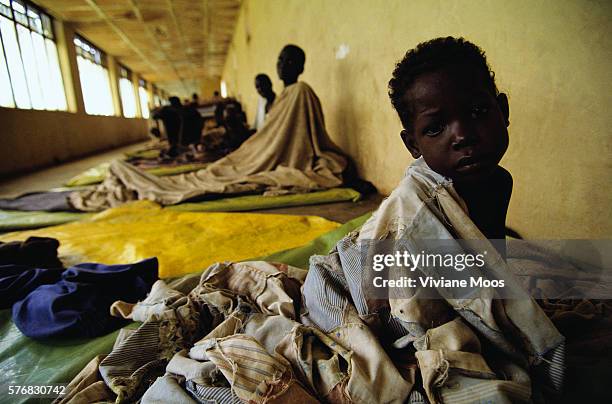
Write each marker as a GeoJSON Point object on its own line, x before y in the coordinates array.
{"type": "Point", "coordinates": [410, 143]}
{"type": "Point", "coordinates": [502, 101]}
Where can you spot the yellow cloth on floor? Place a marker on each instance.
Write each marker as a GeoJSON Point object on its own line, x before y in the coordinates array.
{"type": "Point", "coordinates": [184, 242]}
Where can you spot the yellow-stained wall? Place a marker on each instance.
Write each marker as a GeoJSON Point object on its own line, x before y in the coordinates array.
{"type": "Point", "coordinates": [552, 58]}
{"type": "Point", "coordinates": [33, 139]}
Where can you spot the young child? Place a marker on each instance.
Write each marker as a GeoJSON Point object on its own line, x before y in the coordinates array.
{"type": "Point", "coordinates": [455, 119]}
{"type": "Point", "coordinates": [455, 124]}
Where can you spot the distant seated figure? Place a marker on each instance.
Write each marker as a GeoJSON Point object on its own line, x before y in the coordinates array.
{"type": "Point", "coordinates": [170, 115]}
{"type": "Point", "coordinates": [291, 153]}
{"type": "Point", "coordinates": [195, 100]}
{"type": "Point", "coordinates": [232, 132]}
{"type": "Point", "coordinates": [216, 98]}
{"type": "Point", "coordinates": [192, 125]}
{"type": "Point", "coordinates": [263, 85]}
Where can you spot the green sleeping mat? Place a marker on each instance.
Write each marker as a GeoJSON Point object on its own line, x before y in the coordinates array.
{"type": "Point", "coordinates": [96, 174]}
{"type": "Point", "coordinates": [21, 220]}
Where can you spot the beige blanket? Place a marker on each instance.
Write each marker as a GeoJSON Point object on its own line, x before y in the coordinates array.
{"type": "Point", "coordinates": [292, 152]}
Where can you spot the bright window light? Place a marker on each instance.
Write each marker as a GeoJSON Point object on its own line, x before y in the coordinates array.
{"type": "Point", "coordinates": [128, 98]}
{"type": "Point", "coordinates": [56, 85]}
{"type": "Point", "coordinates": [6, 92]}
{"type": "Point", "coordinates": [30, 75]}
{"type": "Point", "coordinates": [15, 67]}
{"type": "Point", "coordinates": [29, 62]}
{"type": "Point", "coordinates": [95, 82]}
{"type": "Point", "coordinates": [144, 99]}
{"type": "Point", "coordinates": [223, 89]}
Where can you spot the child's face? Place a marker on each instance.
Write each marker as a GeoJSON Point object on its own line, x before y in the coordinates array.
{"type": "Point", "coordinates": [459, 125]}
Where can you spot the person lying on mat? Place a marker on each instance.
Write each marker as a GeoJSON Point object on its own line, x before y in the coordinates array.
{"type": "Point", "coordinates": [291, 153]}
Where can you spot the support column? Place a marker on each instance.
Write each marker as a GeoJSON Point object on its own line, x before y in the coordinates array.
{"type": "Point", "coordinates": [135, 78]}
{"type": "Point", "coordinates": [114, 84]}
{"type": "Point", "coordinates": [64, 33]}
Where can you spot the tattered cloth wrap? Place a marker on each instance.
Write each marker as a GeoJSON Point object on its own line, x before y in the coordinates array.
{"type": "Point", "coordinates": [466, 349]}
{"type": "Point", "coordinates": [292, 152]}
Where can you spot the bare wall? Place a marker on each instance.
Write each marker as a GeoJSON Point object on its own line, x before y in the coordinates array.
{"type": "Point", "coordinates": [552, 58]}
{"type": "Point", "coordinates": [33, 139]}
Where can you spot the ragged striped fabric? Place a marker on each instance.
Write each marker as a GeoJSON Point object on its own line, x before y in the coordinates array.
{"type": "Point", "coordinates": [253, 373]}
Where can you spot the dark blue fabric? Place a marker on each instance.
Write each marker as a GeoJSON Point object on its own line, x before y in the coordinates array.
{"type": "Point", "coordinates": [16, 281]}
{"type": "Point", "coordinates": [78, 304]}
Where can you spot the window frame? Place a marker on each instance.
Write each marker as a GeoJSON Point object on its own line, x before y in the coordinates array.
{"type": "Point", "coordinates": [29, 5]}
{"type": "Point", "coordinates": [81, 51]}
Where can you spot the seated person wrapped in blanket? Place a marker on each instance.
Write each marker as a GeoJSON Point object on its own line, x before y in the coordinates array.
{"type": "Point", "coordinates": [291, 153]}
{"type": "Point", "coordinates": [266, 332]}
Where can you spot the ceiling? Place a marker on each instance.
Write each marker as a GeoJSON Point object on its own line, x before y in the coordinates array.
{"type": "Point", "coordinates": [173, 43]}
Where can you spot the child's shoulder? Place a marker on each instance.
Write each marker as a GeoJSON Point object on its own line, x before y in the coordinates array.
{"type": "Point", "coordinates": [415, 190]}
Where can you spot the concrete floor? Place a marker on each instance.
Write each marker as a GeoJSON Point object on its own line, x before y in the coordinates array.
{"type": "Point", "coordinates": [55, 177]}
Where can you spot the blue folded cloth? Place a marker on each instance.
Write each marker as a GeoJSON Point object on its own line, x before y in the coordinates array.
{"type": "Point", "coordinates": [78, 304]}
{"type": "Point", "coordinates": [17, 281]}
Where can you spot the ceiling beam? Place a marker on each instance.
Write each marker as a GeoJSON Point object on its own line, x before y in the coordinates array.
{"type": "Point", "coordinates": [181, 37]}
{"type": "Point", "coordinates": [121, 34]}
{"type": "Point", "coordinates": [206, 16]}
{"type": "Point", "coordinates": [153, 38]}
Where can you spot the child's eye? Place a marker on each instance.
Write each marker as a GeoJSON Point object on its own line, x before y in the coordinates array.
{"type": "Point", "coordinates": [479, 110]}
{"type": "Point", "coordinates": [433, 130]}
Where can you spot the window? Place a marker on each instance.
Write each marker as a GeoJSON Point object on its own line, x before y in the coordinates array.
{"type": "Point", "coordinates": [95, 82]}
{"type": "Point", "coordinates": [30, 75]}
{"type": "Point", "coordinates": [126, 90]}
{"type": "Point", "coordinates": [157, 101]}
{"type": "Point", "coordinates": [143, 94]}
{"type": "Point", "coordinates": [164, 97]}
